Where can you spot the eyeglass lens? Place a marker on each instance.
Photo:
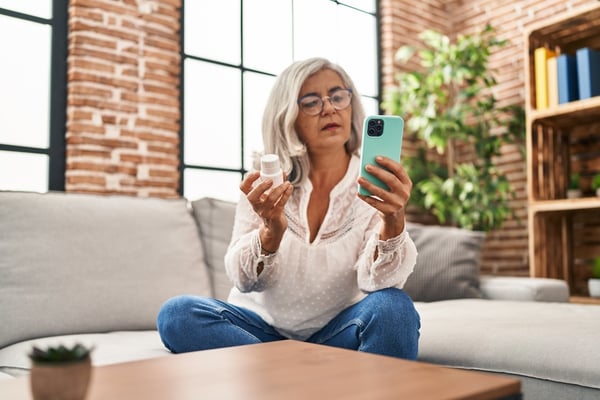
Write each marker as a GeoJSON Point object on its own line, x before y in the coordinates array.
{"type": "Point", "coordinates": [313, 105]}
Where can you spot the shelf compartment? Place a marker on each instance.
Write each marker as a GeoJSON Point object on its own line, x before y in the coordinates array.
{"type": "Point", "coordinates": [564, 34]}
{"type": "Point", "coordinates": [557, 151]}
{"type": "Point", "coordinates": [568, 33]}
{"type": "Point", "coordinates": [564, 246]}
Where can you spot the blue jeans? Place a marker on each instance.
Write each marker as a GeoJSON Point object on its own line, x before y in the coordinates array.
{"type": "Point", "coordinates": [385, 322]}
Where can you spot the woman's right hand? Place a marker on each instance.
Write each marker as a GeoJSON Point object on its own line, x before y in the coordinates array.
{"type": "Point", "coordinates": [269, 205]}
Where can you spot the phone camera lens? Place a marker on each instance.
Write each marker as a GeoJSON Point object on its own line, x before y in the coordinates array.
{"type": "Point", "coordinates": [375, 127]}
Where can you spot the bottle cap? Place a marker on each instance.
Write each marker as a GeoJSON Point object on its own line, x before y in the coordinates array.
{"type": "Point", "coordinates": [269, 164]}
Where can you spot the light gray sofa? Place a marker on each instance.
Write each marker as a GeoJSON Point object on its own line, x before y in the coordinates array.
{"type": "Point", "coordinates": [95, 269]}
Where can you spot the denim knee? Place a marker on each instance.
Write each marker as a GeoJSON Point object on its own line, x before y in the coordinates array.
{"type": "Point", "coordinates": [173, 317]}
{"type": "Point", "coordinates": [394, 306]}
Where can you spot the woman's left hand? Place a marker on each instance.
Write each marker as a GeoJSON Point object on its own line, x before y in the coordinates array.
{"type": "Point", "coordinates": [391, 203]}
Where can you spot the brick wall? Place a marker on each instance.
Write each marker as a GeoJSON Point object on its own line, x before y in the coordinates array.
{"type": "Point", "coordinates": [123, 93]}
{"type": "Point", "coordinates": [123, 97]}
{"type": "Point", "coordinates": [505, 251]}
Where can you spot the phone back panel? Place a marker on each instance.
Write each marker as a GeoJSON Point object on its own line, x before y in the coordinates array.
{"type": "Point", "coordinates": [388, 144]}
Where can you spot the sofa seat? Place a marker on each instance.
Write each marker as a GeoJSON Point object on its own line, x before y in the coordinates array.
{"type": "Point", "coordinates": [535, 341]}
{"type": "Point", "coordinates": [5, 376]}
{"type": "Point", "coordinates": [109, 348]}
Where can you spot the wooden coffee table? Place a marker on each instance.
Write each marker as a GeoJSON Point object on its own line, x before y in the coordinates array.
{"type": "Point", "coordinates": [283, 370]}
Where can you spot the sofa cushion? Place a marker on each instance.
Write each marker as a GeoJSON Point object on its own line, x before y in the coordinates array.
{"type": "Point", "coordinates": [447, 263]}
{"type": "Point", "coordinates": [548, 341]}
{"type": "Point", "coordinates": [215, 222]}
{"type": "Point", "coordinates": [524, 288]}
{"type": "Point", "coordinates": [77, 263]}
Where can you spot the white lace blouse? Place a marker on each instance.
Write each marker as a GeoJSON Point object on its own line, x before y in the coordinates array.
{"type": "Point", "coordinates": [304, 285]}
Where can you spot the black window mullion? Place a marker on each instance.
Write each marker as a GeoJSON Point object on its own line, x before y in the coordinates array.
{"type": "Point", "coordinates": [242, 104]}
{"type": "Point", "coordinates": [379, 53]}
{"type": "Point", "coordinates": [58, 95]}
{"type": "Point", "coordinates": [181, 95]}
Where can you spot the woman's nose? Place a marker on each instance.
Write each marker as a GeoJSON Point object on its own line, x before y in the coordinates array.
{"type": "Point", "coordinates": [328, 107]}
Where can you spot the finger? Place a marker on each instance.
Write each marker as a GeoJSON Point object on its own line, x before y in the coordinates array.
{"type": "Point", "coordinates": [289, 189]}
{"type": "Point", "coordinates": [372, 201]}
{"type": "Point", "coordinates": [384, 207]}
{"type": "Point", "coordinates": [397, 180]}
{"type": "Point", "coordinates": [389, 180]}
{"type": "Point", "coordinates": [395, 168]}
{"type": "Point", "coordinates": [275, 200]}
{"type": "Point", "coordinates": [278, 191]}
{"type": "Point", "coordinates": [259, 191]}
{"type": "Point", "coordinates": [372, 188]}
{"type": "Point", "coordinates": [248, 182]}
{"type": "Point", "coordinates": [387, 201]}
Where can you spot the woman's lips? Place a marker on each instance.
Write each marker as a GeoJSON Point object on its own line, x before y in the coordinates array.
{"type": "Point", "coordinates": [330, 126]}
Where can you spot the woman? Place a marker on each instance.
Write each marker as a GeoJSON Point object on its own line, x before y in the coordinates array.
{"type": "Point", "coordinates": [311, 259]}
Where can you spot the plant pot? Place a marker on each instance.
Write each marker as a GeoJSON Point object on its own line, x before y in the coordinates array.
{"type": "Point", "coordinates": [60, 381]}
{"type": "Point", "coordinates": [594, 287]}
{"type": "Point", "coordinates": [573, 193]}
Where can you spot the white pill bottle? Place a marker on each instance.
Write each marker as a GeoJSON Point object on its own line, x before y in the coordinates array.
{"type": "Point", "coordinates": [271, 169]}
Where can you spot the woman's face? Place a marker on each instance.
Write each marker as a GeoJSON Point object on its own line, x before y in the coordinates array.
{"type": "Point", "coordinates": [329, 129]}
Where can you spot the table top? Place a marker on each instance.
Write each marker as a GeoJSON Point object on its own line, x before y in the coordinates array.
{"type": "Point", "coordinates": [285, 369]}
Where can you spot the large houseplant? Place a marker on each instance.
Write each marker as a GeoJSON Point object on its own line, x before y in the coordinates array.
{"type": "Point", "coordinates": [449, 106]}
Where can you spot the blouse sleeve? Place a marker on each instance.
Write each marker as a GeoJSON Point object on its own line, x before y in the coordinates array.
{"type": "Point", "coordinates": [396, 259]}
{"type": "Point", "coordinates": [243, 255]}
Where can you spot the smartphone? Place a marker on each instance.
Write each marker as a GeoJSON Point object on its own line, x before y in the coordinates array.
{"type": "Point", "coordinates": [381, 136]}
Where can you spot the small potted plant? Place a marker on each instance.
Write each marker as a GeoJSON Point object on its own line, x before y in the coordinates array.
{"type": "Point", "coordinates": [594, 281]}
{"type": "Point", "coordinates": [60, 372]}
{"type": "Point", "coordinates": [596, 184]}
{"type": "Point", "coordinates": [574, 190]}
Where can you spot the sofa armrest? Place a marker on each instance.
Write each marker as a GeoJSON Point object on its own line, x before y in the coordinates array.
{"type": "Point", "coordinates": [524, 288]}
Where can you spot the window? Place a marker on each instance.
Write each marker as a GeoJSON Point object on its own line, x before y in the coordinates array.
{"type": "Point", "coordinates": [33, 96]}
{"type": "Point", "coordinates": [232, 51]}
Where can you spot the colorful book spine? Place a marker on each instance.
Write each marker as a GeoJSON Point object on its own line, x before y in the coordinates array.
{"type": "Point", "coordinates": [540, 57]}
{"type": "Point", "coordinates": [552, 82]}
{"type": "Point", "coordinates": [568, 86]}
{"type": "Point", "coordinates": [588, 72]}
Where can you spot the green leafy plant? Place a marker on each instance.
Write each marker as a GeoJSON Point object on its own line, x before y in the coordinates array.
{"type": "Point", "coordinates": [596, 268]}
{"type": "Point", "coordinates": [60, 354]}
{"type": "Point", "coordinates": [596, 182]}
{"type": "Point", "coordinates": [449, 106]}
{"type": "Point", "coordinates": [574, 181]}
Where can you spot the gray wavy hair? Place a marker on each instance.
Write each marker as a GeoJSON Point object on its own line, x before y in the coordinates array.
{"type": "Point", "coordinates": [279, 134]}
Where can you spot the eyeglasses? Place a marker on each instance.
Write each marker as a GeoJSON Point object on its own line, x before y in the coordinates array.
{"type": "Point", "coordinates": [313, 105]}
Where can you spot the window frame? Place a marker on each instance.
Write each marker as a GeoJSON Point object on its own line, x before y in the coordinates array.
{"type": "Point", "coordinates": [56, 150]}
{"type": "Point", "coordinates": [242, 69]}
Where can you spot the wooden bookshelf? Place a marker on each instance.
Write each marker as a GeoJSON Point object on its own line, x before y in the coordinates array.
{"type": "Point", "coordinates": [564, 234]}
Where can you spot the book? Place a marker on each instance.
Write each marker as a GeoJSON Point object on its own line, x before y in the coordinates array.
{"type": "Point", "coordinates": [541, 55]}
{"type": "Point", "coordinates": [568, 86]}
{"type": "Point", "coordinates": [588, 72]}
{"type": "Point", "coordinates": [552, 82]}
